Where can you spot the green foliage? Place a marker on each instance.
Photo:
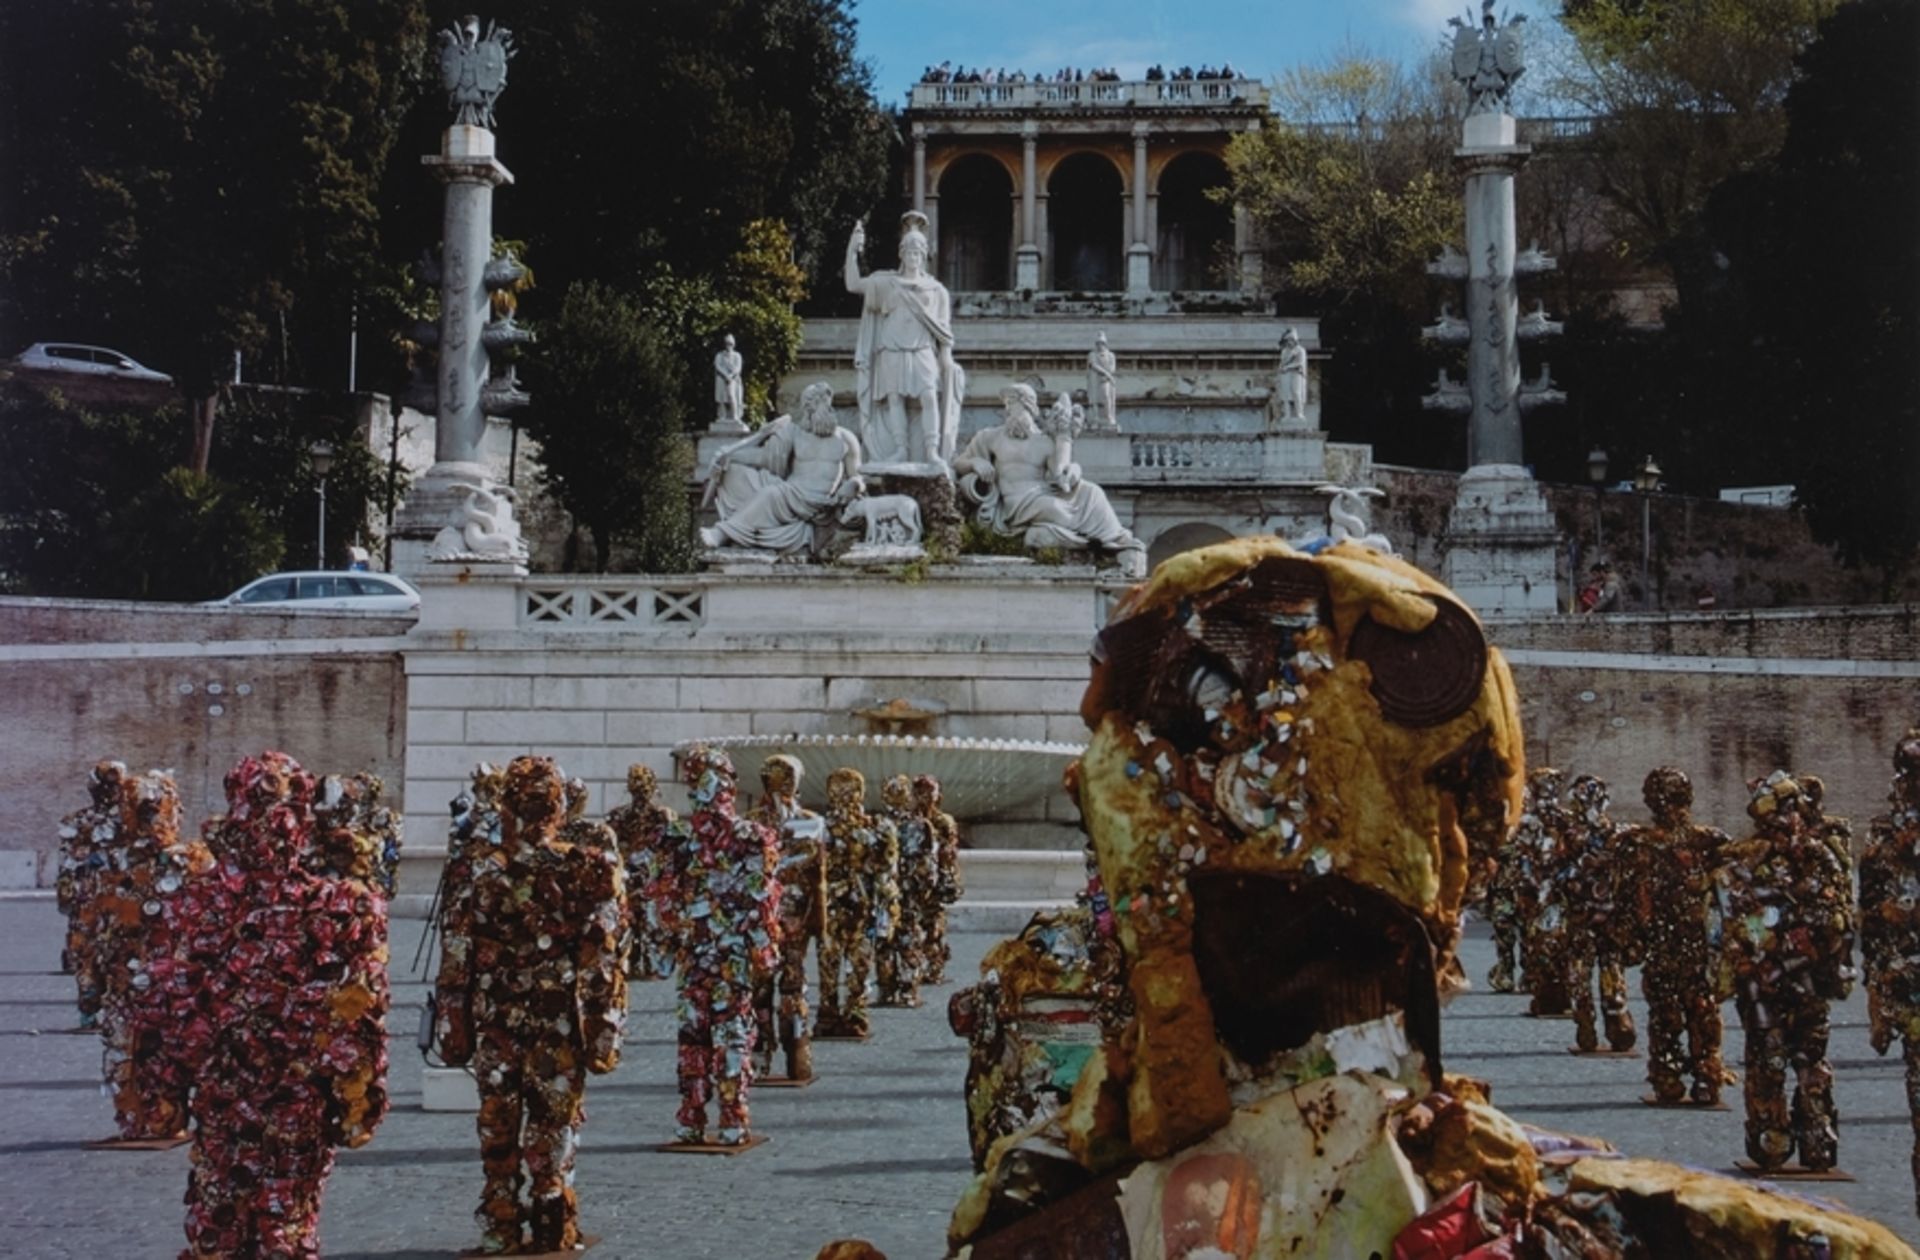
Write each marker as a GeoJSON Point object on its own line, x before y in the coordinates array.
{"type": "Point", "coordinates": [752, 296]}
{"type": "Point", "coordinates": [977, 539]}
{"type": "Point", "coordinates": [87, 508]}
{"type": "Point", "coordinates": [608, 412]}
{"type": "Point", "coordinates": [192, 177]}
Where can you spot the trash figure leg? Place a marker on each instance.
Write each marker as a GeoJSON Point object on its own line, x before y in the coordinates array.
{"type": "Point", "coordinates": [860, 951]}
{"type": "Point", "coordinates": [765, 1036]}
{"type": "Point", "coordinates": [1505, 944]}
{"type": "Point", "coordinates": [1666, 1023]}
{"type": "Point", "coordinates": [733, 1036]}
{"type": "Point", "coordinates": [695, 1065]}
{"type": "Point", "coordinates": [795, 1038]}
{"type": "Point", "coordinates": [1769, 1129]}
{"type": "Point", "coordinates": [555, 1087]}
{"type": "Point", "coordinates": [939, 953]}
{"type": "Point", "coordinates": [1703, 1039]}
{"type": "Point", "coordinates": [284, 1221]}
{"type": "Point", "coordinates": [1579, 972]}
{"type": "Point", "coordinates": [497, 1070]}
{"type": "Point", "coordinates": [1816, 1122]}
{"type": "Point", "coordinates": [1616, 1018]}
{"type": "Point", "coordinates": [829, 1022]}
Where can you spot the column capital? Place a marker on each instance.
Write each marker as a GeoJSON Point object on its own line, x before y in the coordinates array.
{"type": "Point", "coordinates": [1140, 130]}
{"type": "Point", "coordinates": [920, 132]}
{"type": "Point", "coordinates": [1030, 130]}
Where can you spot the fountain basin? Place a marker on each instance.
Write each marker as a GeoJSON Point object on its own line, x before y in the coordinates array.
{"type": "Point", "coordinates": [979, 778]}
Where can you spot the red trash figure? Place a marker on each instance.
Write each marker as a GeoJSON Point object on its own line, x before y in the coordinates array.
{"type": "Point", "coordinates": [532, 992]}
{"type": "Point", "coordinates": [277, 983]}
{"type": "Point", "coordinates": [720, 904]}
{"type": "Point", "coordinates": [803, 916]}
{"type": "Point", "coordinates": [641, 827]}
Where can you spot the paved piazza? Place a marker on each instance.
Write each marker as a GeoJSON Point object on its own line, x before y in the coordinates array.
{"type": "Point", "coordinates": [876, 1149]}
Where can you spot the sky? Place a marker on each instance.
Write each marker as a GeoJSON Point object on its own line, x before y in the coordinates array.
{"type": "Point", "coordinates": [1259, 37]}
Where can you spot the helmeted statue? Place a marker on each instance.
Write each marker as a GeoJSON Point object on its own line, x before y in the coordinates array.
{"type": "Point", "coordinates": [473, 69]}
{"type": "Point", "coordinates": [1487, 59]}
{"type": "Point", "coordinates": [905, 353]}
{"type": "Point", "coordinates": [729, 397]}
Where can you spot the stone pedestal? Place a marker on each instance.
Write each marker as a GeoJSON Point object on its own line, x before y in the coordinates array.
{"type": "Point", "coordinates": [933, 490]}
{"type": "Point", "coordinates": [1026, 267]}
{"type": "Point", "coordinates": [434, 501]}
{"type": "Point", "coordinates": [1502, 543]}
{"type": "Point", "coordinates": [1139, 271]}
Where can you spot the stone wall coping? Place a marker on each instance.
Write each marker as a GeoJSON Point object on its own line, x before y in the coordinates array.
{"type": "Point", "coordinates": [1727, 616]}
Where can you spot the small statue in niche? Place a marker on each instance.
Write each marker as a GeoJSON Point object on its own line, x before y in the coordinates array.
{"type": "Point", "coordinates": [729, 395]}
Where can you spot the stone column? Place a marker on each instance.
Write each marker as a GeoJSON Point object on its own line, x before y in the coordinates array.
{"type": "Point", "coordinates": [1027, 260]}
{"type": "Point", "coordinates": [1490, 159]}
{"type": "Point", "coordinates": [1140, 252]}
{"type": "Point", "coordinates": [920, 168]}
{"type": "Point", "coordinates": [468, 168]}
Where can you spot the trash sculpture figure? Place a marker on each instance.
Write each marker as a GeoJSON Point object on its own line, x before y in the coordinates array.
{"type": "Point", "coordinates": [640, 829]}
{"type": "Point", "coordinates": [1672, 861]}
{"type": "Point", "coordinates": [902, 961]}
{"type": "Point", "coordinates": [275, 983]}
{"type": "Point", "coordinates": [863, 903]}
{"type": "Point", "coordinates": [1600, 938]}
{"type": "Point", "coordinates": [1543, 830]}
{"type": "Point", "coordinates": [1785, 903]}
{"type": "Point", "coordinates": [532, 994]}
{"type": "Point", "coordinates": [89, 839]}
{"type": "Point", "coordinates": [803, 918]}
{"type": "Point", "coordinates": [1890, 925]}
{"type": "Point", "coordinates": [719, 902]}
{"type": "Point", "coordinates": [948, 887]}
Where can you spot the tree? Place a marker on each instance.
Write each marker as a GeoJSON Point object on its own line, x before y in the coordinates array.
{"type": "Point", "coordinates": [1817, 305]}
{"type": "Point", "coordinates": [1353, 189]}
{"type": "Point", "coordinates": [608, 412]}
{"type": "Point", "coordinates": [190, 173]}
{"type": "Point", "coordinates": [1689, 92]}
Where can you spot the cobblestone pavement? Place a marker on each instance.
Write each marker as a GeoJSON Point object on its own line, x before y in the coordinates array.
{"type": "Point", "coordinates": [876, 1149]}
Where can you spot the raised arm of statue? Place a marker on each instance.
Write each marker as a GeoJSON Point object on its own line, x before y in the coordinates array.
{"type": "Point", "coordinates": [852, 484]}
{"type": "Point", "coordinates": [856, 284]}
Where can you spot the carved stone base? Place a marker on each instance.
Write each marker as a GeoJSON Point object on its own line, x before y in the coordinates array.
{"type": "Point", "coordinates": [929, 485]}
{"type": "Point", "coordinates": [1502, 542]}
{"type": "Point", "coordinates": [863, 556]}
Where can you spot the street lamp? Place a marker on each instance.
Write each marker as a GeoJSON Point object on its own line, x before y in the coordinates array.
{"type": "Point", "coordinates": [1597, 476]}
{"type": "Point", "coordinates": [1646, 479]}
{"type": "Point", "coordinates": [320, 456]}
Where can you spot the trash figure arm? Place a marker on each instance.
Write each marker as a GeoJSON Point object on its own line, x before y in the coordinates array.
{"type": "Point", "coordinates": [600, 961]}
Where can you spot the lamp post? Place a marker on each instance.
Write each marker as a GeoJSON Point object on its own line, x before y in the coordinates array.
{"type": "Point", "coordinates": [1597, 477]}
{"type": "Point", "coordinates": [1646, 479]}
{"type": "Point", "coordinates": [320, 456]}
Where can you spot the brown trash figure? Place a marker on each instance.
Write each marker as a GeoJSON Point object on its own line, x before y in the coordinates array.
{"type": "Point", "coordinates": [948, 886]}
{"type": "Point", "coordinates": [802, 915]}
{"type": "Point", "coordinates": [1513, 897]}
{"type": "Point", "coordinates": [1672, 860]}
{"type": "Point", "coordinates": [1890, 925]}
{"type": "Point", "coordinates": [863, 902]}
{"type": "Point", "coordinates": [1542, 907]}
{"type": "Point", "coordinates": [143, 1070]}
{"type": "Point", "coordinates": [89, 839]}
{"type": "Point", "coordinates": [640, 827]}
{"type": "Point", "coordinates": [1600, 938]}
{"type": "Point", "coordinates": [1785, 905]}
{"type": "Point", "coordinates": [902, 958]}
{"type": "Point", "coordinates": [532, 993]}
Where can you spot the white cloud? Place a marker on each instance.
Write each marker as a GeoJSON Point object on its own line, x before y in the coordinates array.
{"type": "Point", "coordinates": [1431, 15]}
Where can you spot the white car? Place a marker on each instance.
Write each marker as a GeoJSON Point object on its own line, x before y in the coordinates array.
{"type": "Point", "coordinates": [61, 356]}
{"type": "Point", "coordinates": [329, 589]}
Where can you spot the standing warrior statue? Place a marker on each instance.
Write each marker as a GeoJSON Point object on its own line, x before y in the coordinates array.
{"type": "Point", "coordinates": [721, 904]}
{"type": "Point", "coordinates": [1487, 59]}
{"type": "Point", "coordinates": [905, 351]}
{"type": "Point", "coordinates": [473, 70]}
{"type": "Point", "coordinates": [1672, 860]}
{"type": "Point", "coordinates": [1890, 925]}
{"type": "Point", "coordinates": [863, 902]}
{"type": "Point", "coordinates": [728, 392]}
{"type": "Point", "coordinates": [1102, 391]}
{"type": "Point", "coordinates": [532, 992]}
{"type": "Point", "coordinates": [640, 827]}
{"type": "Point", "coordinates": [803, 917]}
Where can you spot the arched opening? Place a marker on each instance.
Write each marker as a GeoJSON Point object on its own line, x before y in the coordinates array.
{"type": "Point", "coordinates": [976, 224]}
{"type": "Point", "coordinates": [1085, 224]}
{"type": "Point", "coordinates": [1195, 230]}
{"type": "Point", "coordinates": [1180, 538]}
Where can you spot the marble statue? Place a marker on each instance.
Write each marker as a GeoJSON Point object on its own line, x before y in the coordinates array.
{"type": "Point", "coordinates": [1102, 413]}
{"type": "Point", "coordinates": [1290, 386]}
{"type": "Point", "coordinates": [473, 70]}
{"type": "Point", "coordinates": [1027, 485]}
{"type": "Point", "coordinates": [487, 530]}
{"type": "Point", "coordinates": [728, 392]}
{"type": "Point", "coordinates": [1347, 517]}
{"type": "Point", "coordinates": [889, 520]}
{"type": "Point", "coordinates": [772, 487]}
{"type": "Point", "coordinates": [1487, 60]}
{"type": "Point", "coordinates": [905, 352]}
